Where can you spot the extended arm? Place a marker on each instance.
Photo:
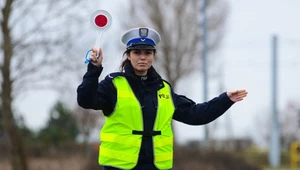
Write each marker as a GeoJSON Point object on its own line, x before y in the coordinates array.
{"type": "Point", "coordinates": [187, 111]}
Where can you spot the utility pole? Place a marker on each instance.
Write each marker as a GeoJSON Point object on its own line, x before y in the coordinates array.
{"type": "Point", "coordinates": [204, 61]}
{"type": "Point", "coordinates": [274, 150]}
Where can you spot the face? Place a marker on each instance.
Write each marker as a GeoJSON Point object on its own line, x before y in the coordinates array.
{"type": "Point", "coordinates": [141, 60]}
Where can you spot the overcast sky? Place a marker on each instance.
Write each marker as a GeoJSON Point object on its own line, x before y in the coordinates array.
{"type": "Point", "coordinates": [246, 57]}
{"type": "Point", "coordinates": [246, 53]}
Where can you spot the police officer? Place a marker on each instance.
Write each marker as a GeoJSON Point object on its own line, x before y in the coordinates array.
{"type": "Point", "coordinates": [139, 106]}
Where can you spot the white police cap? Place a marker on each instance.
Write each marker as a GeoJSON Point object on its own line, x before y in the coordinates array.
{"type": "Point", "coordinates": [141, 38]}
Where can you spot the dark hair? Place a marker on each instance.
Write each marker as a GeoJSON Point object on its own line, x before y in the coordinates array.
{"type": "Point", "coordinates": [126, 61]}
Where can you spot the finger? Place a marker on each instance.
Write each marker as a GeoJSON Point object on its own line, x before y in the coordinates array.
{"type": "Point", "coordinates": [93, 54]}
{"type": "Point", "coordinates": [93, 57]}
{"type": "Point", "coordinates": [235, 92]}
{"type": "Point", "coordinates": [239, 98]}
{"type": "Point", "coordinates": [100, 58]}
{"type": "Point", "coordinates": [100, 52]}
{"type": "Point", "coordinates": [94, 50]}
{"type": "Point", "coordinates": [242, 93]}
{"type": "Point", "coordinates": [242, 90]}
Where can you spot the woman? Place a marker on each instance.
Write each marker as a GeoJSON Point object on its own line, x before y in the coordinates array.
{"type": "Point", "coordinates": [139, 106]}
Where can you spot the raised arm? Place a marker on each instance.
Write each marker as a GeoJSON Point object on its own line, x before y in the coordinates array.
{"type": "Point", "coordinates": [94, 95]}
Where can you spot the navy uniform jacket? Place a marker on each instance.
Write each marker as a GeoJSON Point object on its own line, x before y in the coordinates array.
{"type": "Point", "coordinates": [102, 96]}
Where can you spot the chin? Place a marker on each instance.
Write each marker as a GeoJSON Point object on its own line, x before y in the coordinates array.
{"type": "Point", "coordinates": [143, 68]}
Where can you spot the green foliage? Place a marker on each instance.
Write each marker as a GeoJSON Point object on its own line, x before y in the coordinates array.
{"type": "Point", "coordinates": [23, 129]}
{"type": "Point", "coordinates": [61, 126]}
{"type": "Point", "coordinates": [27, 134]}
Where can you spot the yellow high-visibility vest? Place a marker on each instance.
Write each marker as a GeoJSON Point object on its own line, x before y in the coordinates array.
{"type": "Point", "coordinates": [120, 141]}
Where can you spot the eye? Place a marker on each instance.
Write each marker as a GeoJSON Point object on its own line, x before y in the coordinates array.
{"type": "Point", "coordinates": [149, 52]}
{"type": "Point", "coordinates": [137, 52]}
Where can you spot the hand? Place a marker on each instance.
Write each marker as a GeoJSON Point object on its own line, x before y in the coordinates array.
{"type": "Point", "coordinates": [93, 56]}
{"type": "Point", "coordinates": [237, 95]}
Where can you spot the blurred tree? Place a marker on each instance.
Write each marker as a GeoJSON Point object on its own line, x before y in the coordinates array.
{"type": "Point", "coordinates": [87, 120]}
{"type": "Point", "coordinates": [179, 24]}
{"type": "Point", "coordinates": [37, 39]}
{"type": "Point", "coordinates": [27, 134]}
{"type": "Point", "coordinates": [1, 125]}
{"type": "Point", "coordinates": [289, 129]}
{"type": "Point", "coordinates": [17, 150]}
{"type": "Point", "coordinates": [61, 126]}
{"type": "Point", "coordinates": [21, 126]}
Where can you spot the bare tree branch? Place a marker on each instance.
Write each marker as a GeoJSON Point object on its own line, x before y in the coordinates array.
{"type": "Point", "coordinates": [178, 23]}
{"type": "Point", "coordinates": [34, 55]}
{"type": "Point", "coordinates": [48, 16]}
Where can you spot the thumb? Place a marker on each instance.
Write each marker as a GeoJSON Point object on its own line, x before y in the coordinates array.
{"type": "Point", "coordinates": [100, 51]}
{"type": "Point", "coordinates": [232, 93]}
{"type": "Point", "coordinates": [94, 50]}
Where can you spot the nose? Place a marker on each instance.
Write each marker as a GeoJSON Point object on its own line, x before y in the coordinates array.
{"type": "Point", "coordinates": [143, 57]}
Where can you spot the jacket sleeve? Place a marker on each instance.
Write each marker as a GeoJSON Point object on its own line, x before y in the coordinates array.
{"type": "Point", "coordinates": [94, 95]}
{"type": "Point", "coordinates": [188, 112]}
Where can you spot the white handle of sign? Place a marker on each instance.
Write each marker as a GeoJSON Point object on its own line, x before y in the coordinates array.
{"type": "Point", "coordinates": [98, 41]}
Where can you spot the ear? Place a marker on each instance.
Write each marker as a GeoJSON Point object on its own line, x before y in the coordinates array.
{"type": "Point", "coordinates": [128, 57]}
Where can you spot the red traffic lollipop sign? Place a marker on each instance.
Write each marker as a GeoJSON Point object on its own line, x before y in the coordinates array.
{"type": "Point", "coordinates": [100, 21]}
